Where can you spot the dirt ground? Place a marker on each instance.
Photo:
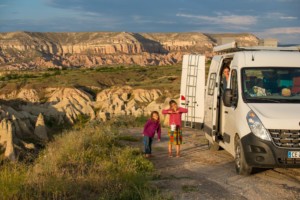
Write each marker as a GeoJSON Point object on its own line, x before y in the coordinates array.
{"type": "Point", "coordinates": [203, 174]}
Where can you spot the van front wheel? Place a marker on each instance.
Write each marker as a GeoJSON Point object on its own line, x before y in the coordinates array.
{"type": "Point", "coordinates": [241, 165]}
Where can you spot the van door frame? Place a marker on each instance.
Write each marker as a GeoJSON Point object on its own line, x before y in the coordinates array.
{"type": "Point", "coordinates": [213, 101]}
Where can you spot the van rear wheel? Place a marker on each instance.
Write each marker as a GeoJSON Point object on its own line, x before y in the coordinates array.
{"type": "Point", "coordinates": [241, 165]}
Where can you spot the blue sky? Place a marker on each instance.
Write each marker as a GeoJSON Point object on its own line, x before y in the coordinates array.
{"type": "Point", "coordinates": [265, 18]}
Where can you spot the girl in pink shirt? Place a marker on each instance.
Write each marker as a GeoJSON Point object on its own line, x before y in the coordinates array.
{"type": "Point", "coordinates": [175, 132]}
{"type": "Point", "coordinates": [151, 126]}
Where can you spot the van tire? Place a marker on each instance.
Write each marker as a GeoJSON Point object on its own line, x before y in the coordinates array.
{"type": "Point", "coordinates": [241, 166]}
{"type": "Point", "coordinates": [213, 146]}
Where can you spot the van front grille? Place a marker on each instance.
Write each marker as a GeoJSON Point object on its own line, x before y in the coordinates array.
{"type": "Point", "coordinates": [289, 161]}
{"type": "Point", "coordinates": [285, 138]}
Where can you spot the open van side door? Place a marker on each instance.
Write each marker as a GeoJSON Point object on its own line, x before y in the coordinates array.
{"type": "Point", "coordinates": [211, 97]}
{"type": "Point", "coordinates": [192, 90]}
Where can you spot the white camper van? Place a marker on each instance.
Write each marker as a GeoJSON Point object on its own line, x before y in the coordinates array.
{"type": "Point", "coordinates": [255, 116]}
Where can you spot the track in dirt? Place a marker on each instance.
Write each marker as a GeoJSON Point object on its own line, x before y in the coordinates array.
{"type": "Point", "coordinates": [204, 174]}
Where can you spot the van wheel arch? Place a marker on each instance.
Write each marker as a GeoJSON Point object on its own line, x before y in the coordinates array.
{"type": "Point", "coordinates": [241, 165]}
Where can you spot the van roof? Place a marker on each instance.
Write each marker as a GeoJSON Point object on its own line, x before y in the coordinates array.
{"type": "Point", "coordinates": [265, 58]}
{"type": "Point", "coordinates": [233, 47]}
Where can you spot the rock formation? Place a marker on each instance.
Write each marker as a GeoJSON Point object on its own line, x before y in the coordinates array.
{"type": "Point", "coordinates": [65, 105]}
{"type": "Point", "coordinates": [30, 95]}
{"type": "Point", "coordinates": [125, 101]}
{"type": "Point", "coordinates": [72, 102]}
{"type": "Point", "coordinates": [40, 128]}
{"type": "Point", "coordinates": [30, 50]}
{"type": "Point", "coordinates": [7, 134]}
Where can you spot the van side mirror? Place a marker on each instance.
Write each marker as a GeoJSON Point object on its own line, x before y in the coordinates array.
{"type": "Point", "coordinates": [227, 98]}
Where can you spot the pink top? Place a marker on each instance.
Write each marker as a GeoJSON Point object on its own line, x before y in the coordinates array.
{"type": "Point", "coordinates": [175, 117]}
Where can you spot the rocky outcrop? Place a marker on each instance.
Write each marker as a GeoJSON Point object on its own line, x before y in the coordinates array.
{"type": "Point", "coordinates": [20, 121]}
{"type": "Point", "coordinates": [30, 95]}
{"type": "Point", "coordinates": [40, 128]}
{"type": "Point", "coordinates": [29, 50]}
{"type": "Point", "coordinates": [127, 101]}
{"type": "Point", "coordinates": [7, 133]}
{"type": "Point", "coordinates": [71, 102]}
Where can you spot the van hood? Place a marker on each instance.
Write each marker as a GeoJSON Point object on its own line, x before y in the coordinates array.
{"type": "Point", "coordinates": [278, 116]}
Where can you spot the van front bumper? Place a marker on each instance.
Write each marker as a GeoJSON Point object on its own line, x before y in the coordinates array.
{"type": "Point", "coordinates": [264, 154]}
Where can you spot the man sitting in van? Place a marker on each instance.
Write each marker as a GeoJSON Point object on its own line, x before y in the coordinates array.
{"type": "Point", "coordinates": [225, 77]}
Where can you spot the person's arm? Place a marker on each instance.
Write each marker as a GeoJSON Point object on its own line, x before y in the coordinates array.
{"type": "Point", "coordinates": [183, 110]}
{"type": "Point", "coordinates": [146, 126]}
{"type": "Point", "coordinates": [166, 111]}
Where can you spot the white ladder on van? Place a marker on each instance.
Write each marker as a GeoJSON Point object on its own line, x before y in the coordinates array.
{"type": "Point", "coordinates": [190, 92]}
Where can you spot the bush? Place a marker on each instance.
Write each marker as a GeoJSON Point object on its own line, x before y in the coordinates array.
{"type": "Point", "coordinates": [125, 121]}
{"type": "Point", "coordinates": [81, 164]}
{"type": "Point", "coordinates": [12, 178]}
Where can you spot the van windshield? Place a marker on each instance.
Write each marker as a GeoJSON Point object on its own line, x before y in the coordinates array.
{"type": "Point", "coordinates": [271, 84]}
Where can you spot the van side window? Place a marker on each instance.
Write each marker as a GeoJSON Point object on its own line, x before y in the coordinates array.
{"type": "Point", "coordinates": [234, 86]}
{"type": "Point", "coordinates": [211, 83]}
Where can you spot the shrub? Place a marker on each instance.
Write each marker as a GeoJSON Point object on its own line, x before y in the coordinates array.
{"type": "Point", "coordinates": [12, 178]}
{"type": "Point", "coordinates": [125, 121]}
{"type": "Point", "coordinates": [81, 164]}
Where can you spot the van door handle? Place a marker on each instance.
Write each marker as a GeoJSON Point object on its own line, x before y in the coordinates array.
{"type": "Point", "coordinates": [226, 112]}
{"type": "Point", "coordinates": [209, 108]}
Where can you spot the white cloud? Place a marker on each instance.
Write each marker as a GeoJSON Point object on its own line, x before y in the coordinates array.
{"type": "Point", "coordinates": [277, 15]}
{"type": "Point", "coordinates": [223, 19]}
{"type": "Point", "coordinates": [287, 35]}
{"type": "Point", "coordinates": [288, 18]}
{"type": "Point", "coordinates": [140, 19]}
{"type": "Point", "coordinates": [283, 30]}
{"type": "Point", "coordinates": [93, 14]}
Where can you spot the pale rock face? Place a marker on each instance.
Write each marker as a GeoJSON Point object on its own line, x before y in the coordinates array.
{"type": "Point", "coordinates": [72, 102]}
{"type": "Point", "coordinates": [153, 106]}
{"type": "Point", "coordinates": [29, 95]}
{"type": "Point", "coordinates": [142, 95]}
{"type": "Point", "coordinates": [125, 100]}
{"type": "Point", "coordinates": [68, 93]}
{"type": "Point", "coordinates": [104, 48]}
{"type": "Point", "coordinates": [40, 128]}
{"type": "Point", "coordinates": [104, 116]}
{"type": "Point", "coordinates": [6, 138]}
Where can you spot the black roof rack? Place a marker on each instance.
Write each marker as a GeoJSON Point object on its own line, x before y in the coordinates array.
{"type": "Point", "coordinates": [233, 47]}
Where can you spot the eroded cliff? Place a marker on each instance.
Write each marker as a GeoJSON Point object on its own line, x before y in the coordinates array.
{"type": "Point", "coordinates": [31, 50]}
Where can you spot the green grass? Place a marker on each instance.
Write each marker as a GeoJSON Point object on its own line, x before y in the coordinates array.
{"type": "Point", "coordinates": [126, 121]}
{"type": "Point", "coordinates": [87, 163]}
{"type": "Point", "coordinates": [129, 138]}
{"type": "Point", "coordinates": [150, 77]}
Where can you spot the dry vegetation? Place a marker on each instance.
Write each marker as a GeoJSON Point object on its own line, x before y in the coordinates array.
{"type": "Point", "coordinates": [83, 163]}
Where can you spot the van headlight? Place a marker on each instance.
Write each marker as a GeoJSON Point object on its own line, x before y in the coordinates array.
{"type": "Point", "coordinates": [257, 127]}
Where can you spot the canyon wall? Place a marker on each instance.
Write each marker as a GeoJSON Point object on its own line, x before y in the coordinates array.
{"type": "Point", "coordinates": [31, 50]}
